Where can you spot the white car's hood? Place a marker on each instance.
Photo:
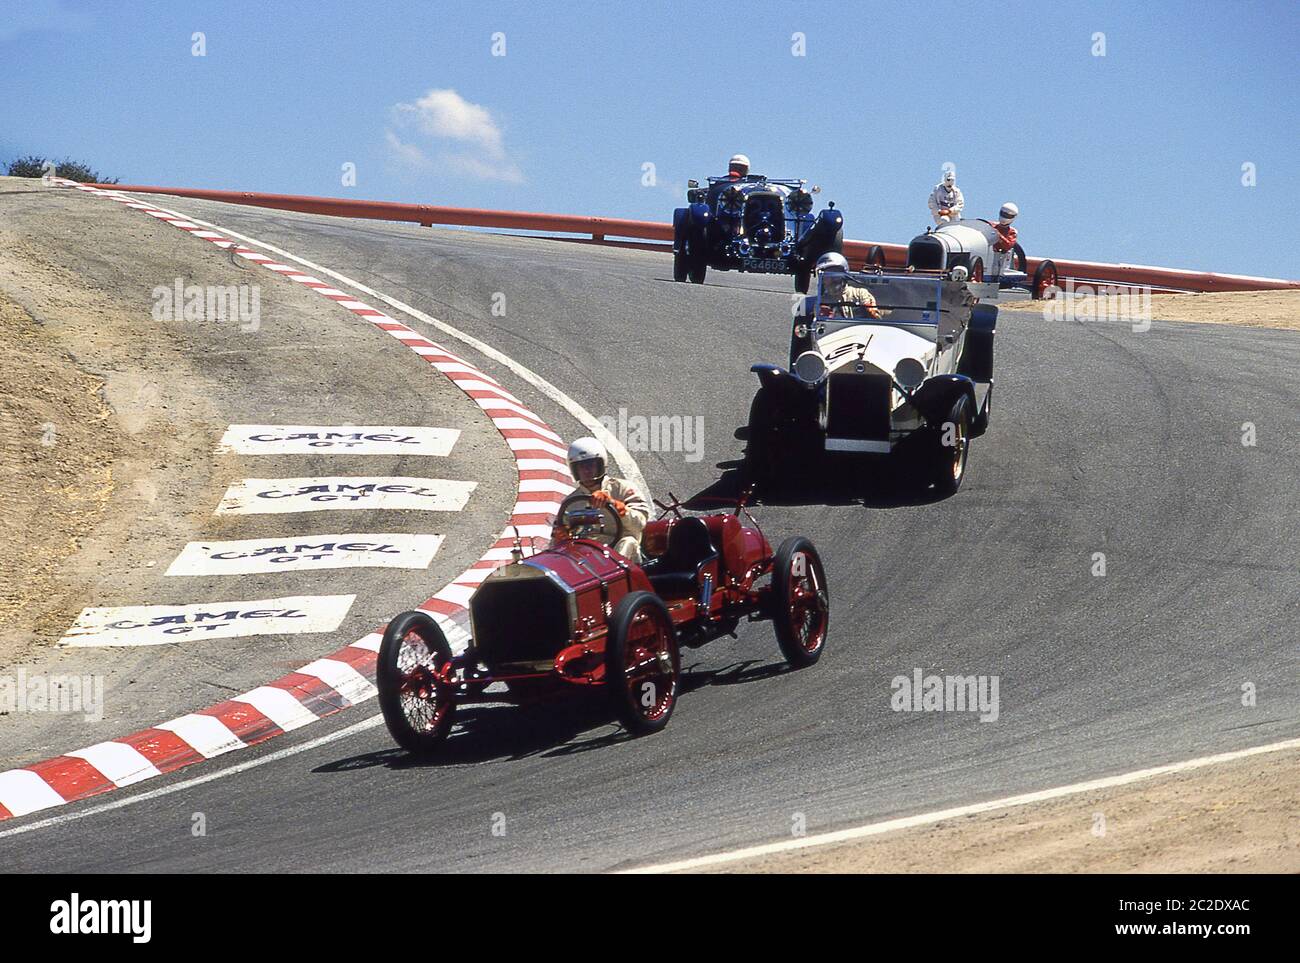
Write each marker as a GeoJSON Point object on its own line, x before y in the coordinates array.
{"type": "Point", "coordinates": [879, 345]}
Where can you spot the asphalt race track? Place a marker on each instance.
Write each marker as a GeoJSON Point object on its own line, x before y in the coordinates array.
{"type": "Point", "coordinates": [1103, 439]}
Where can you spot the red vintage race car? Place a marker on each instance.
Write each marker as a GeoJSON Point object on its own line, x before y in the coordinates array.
{"type": "Point", "coordinates": [579, 616]}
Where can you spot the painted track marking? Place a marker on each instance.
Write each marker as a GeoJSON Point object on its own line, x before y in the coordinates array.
{"type": "Point", "coordinates": [337, 440]}
{"type": "Point", "coordinates": [262, 556]}
{"type": "Point", "coordinates": [279, 496]}
{"type": "Point", "coordinates": [169, 624]}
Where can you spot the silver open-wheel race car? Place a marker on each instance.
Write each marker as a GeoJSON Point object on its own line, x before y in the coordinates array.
{"type": "Point", "coordinates": [972, 244]}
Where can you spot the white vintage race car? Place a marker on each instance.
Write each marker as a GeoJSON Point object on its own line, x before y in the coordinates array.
{"type": "Point", "coordinates": [909, 376]}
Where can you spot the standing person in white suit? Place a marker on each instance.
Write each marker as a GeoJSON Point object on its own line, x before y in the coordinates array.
{"type": "Point", "coordinates": [946, 202]}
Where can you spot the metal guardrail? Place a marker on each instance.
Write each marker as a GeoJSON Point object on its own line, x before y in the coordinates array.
{"type": "Point", "coordinates": [607, 230]}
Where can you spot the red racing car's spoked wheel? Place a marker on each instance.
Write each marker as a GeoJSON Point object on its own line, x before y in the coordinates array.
{"type": "Point", "coordinates": [418, 690]}
{"type": "Point", "coordinates": [642, 664]}
{"type": "Point", "coordinates": [414, 694]}
{"type": "Point", "coordinates": [651, 673]}
{"type": "Point", "coordinates": [801, 602]}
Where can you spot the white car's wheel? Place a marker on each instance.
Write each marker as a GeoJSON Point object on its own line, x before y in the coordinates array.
{"type": "Point", "coordinates": [949, 446]}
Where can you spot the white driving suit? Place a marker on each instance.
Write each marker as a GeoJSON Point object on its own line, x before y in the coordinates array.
{"type": "Point", "coordinates": [853, 301]}
{"type": "Point", "coordinates": [946, 198]}
{"type": "Point", "coordinates": [638, 513]}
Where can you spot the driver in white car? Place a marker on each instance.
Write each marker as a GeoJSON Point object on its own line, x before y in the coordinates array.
{"type": "Point", "coordinates": [587, 460]}
{"type": "Point", "coordinates": [839, 297]}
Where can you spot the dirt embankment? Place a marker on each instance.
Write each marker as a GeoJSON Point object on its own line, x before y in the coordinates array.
{"type": "Point", "coordinates": [58, 445]}
{"type": "Point", "coordinates": [98, 422]}
{"type": "Point", "coordinates": [1255, 309]}
{"type": "Point", "coordinates": [1235, 817]}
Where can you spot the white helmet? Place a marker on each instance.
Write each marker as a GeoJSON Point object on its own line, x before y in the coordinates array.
{"type": "Point", "coordinates": [950, 177]}
{"type": "Point", "coordinates": [587, 450]}
{"type": "Point", "coordinates": [1008, 213]}
{"type": "Point", "coordinates": [830, 261]}
{"type": "Point", "coordinates": [739, 163]}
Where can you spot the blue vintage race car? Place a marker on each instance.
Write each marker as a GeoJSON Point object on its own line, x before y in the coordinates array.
{"type": "Point", "coordinates": [752, 223]}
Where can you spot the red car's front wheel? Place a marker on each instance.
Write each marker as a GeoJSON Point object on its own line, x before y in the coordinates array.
{"type": "Point", "coordinates": [415, 700]}
{"type": "Point", "coordinates": [642, 664]}
{"type": "Point", "coordinates": [801, 602]}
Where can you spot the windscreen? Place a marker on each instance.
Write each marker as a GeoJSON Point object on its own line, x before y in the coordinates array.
{"type": "Point", "coordinates": [888, 298]}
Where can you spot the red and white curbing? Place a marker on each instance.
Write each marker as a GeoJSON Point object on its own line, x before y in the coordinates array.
{"type": "Point", "coordinates": [343, 678]}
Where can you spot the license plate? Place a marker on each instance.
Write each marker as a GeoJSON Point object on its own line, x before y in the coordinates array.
{"type": "Point", "coordinates": [763, 264]}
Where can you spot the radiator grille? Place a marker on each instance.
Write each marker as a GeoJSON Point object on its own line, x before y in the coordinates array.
{"type": "Point", "coordinates": [520, 620]}
{"type": "Point", "coordinates": [857, 406]}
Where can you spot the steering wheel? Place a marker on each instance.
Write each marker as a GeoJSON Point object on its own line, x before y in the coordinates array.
{"type": "Point", "coordinates": [583, 518]}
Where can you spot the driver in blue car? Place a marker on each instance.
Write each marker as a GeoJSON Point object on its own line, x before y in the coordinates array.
{"type": "Point", "coordinates": [737, 171]}
{"type": "Point", "coordinates": [587, 460]}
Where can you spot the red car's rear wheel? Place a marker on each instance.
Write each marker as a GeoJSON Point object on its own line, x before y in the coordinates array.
{"type": "Point", "coordinates": [642, 664]}
{"type": "Point", "coordinates": [416, 701]}
{"type": "Point", "coordinates": [801, 602]}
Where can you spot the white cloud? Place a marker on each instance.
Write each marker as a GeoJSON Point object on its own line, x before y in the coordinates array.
{"type": "Point", "coordinates": [406, 154]}
{"type": "Point", "coordinates": [470, 138]}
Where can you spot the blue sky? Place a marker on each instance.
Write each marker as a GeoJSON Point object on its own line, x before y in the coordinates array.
{"type": "Point", "coordinates": [1132, 156]}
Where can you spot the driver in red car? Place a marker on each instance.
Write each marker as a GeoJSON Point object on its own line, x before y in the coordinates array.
{"type": "Point", "coordinates": [587, 461]}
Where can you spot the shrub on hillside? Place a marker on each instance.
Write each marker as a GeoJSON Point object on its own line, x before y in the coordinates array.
{"type": "Point", "coordinates": [29, 166]}
{"type": "Point", "coordinates": [34, 166]}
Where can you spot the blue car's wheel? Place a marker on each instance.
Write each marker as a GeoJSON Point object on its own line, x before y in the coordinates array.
{"type": "Point", "coordinates": [697, 267]}
{"type": "Point", "coordinates": [680, 267]}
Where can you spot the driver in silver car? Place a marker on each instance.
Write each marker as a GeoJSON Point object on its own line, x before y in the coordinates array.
{"type": "Point", "coordinates": [587, 460]}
